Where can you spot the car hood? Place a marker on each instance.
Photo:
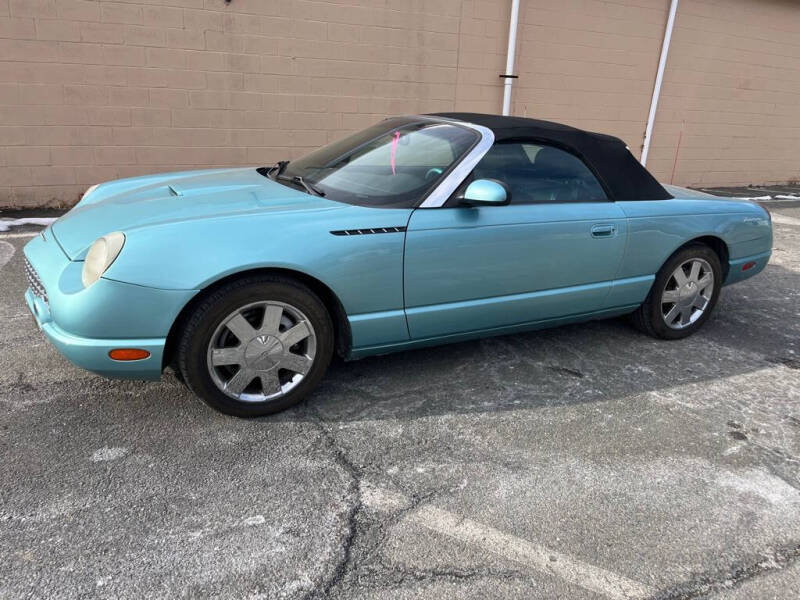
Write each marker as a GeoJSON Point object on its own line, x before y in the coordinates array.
{"type": "Point", "coordinates": [129, 204]}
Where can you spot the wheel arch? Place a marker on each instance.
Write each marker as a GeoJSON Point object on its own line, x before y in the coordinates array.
{"type": "Point", "coordinates": [341, 325]}
{"type": "Point", "coordinates": [717, 244]}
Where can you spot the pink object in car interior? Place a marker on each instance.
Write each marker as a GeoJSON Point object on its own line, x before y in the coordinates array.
{"type": "Point", "coordinates": [394, 149]}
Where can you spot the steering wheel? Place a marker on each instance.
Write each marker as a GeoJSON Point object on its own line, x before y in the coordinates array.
{"type": "Point", "coordinates": [432, 173]}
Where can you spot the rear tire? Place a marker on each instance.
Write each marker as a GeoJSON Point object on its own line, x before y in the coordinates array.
{"type": "Point", "coordinates": [256, 346]}
{"type": "Point", "coordinates": [684, 294]}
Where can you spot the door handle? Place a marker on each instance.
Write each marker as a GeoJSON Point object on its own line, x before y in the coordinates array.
{"type": "Point", "coordinates": [602, 231]}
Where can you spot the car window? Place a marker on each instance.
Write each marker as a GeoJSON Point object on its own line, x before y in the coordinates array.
{"type": "Point", "coordinates": [536, 173]}
{"type": "Point", "coordinates": [394, 164]}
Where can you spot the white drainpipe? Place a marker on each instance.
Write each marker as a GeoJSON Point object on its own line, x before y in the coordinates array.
{"type": "Point", "coordinates": [512, 46]}
{"type": "Point", "coordinates": [651, 118]}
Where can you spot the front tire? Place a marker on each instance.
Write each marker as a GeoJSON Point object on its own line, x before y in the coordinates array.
{"type": "Point", "coordinates": [256, 346]}
{"type": "Point", "coordinates": [683, 295]}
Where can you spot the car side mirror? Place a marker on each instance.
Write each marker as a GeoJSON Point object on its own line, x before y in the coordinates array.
{"type": "Point", "coordinates": [486, 192]}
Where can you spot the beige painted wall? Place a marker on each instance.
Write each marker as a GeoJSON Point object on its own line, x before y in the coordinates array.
{"type": "Point", "coordinates": [733, 84]}
{"type": "Point", "coordinates": [92, 90]}
{"type": "Point", "coordinates": [591, 63]}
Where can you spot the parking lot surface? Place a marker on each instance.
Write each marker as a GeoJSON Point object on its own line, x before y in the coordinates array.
{"type": "Point", "coordinates": [587, 461]}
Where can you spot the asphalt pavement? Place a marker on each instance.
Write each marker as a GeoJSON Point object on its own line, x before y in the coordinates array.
{"type": "Point", "coordinates": [587, 461]}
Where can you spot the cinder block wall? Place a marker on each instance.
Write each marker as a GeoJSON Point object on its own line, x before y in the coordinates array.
{"type": "Point", "coordinates": [591, 63]}
{"type": "Point", "coordinates": [92, 90]}
{"type": "Point", "coordinates": [732, 86]}
{"type": "Point", "coordinates": [95, 90]}
{"type": "Point", "coordinates": [732, 83]}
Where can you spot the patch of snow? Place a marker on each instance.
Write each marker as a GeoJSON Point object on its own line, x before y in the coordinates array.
{"type": "Point", "coordinates": [105, 454]}
{"type": "Point", "coordinates": [765, 198]}
{"type": "Point", "coordinates": [6, 224]}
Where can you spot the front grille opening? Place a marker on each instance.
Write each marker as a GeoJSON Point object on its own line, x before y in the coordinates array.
{"type": "Point", "coordinates": [34, 282]}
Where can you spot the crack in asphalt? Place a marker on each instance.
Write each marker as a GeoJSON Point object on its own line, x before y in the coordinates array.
{"type": "Point", "coordinates": [712, 583]}
{"type": "Point", "coordinates": [567, 371]}
{"type": "Point", "coordinates": [451, 574]}
{"type": "Point", "coordinates": [344, 563]}
{"type": "Point", "coordinates": [385, 525]}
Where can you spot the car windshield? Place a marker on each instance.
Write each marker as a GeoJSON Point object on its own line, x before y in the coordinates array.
{"type": "Point", "coordinates": [392, 164]}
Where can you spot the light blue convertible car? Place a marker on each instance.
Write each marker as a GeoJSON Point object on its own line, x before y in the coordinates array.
{"type": "Point", "coordinates": [419, 230]}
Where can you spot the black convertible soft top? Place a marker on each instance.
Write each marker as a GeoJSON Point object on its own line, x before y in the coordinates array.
{"type": "Point", "coordinates": [623, 177]}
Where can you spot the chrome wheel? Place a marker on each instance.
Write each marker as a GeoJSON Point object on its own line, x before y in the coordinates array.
{"type": "Point", "coordinates": [687, 293]}
{"type": "Point", "coordinates": [261, 351]}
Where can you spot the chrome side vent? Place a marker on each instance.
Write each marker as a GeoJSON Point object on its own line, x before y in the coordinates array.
{"type": "Point", "coordinates": [369, 231]}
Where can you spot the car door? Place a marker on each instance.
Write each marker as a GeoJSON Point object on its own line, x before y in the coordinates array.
{"type": "Point", "coordinates": [552, 252]}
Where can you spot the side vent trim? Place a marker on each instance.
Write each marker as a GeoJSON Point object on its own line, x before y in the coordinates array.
{"type": "Point", "coordinates": [369, 231]}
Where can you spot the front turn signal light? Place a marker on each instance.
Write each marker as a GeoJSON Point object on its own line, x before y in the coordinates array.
{"type": "Point", "coordinates": [128, 354]}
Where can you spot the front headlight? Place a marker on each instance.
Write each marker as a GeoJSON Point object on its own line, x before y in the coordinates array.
{"type": "Point", "coordinates": [100, 256]}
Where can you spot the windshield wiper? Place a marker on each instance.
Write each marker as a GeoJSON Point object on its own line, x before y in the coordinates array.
{"type": "Point", "coordinates": [309, 187]}
{"type": "Point", "coordinates": [278, 166]}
